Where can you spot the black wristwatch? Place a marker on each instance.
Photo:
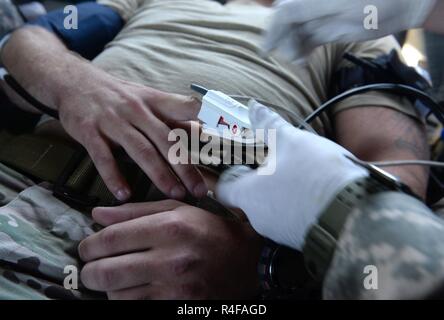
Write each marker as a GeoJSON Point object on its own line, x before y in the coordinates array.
{"type": "Point", "coordinates": [283, 275]}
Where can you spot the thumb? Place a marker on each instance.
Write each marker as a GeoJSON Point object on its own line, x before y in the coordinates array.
{"type": "Point", "coordinates": [232, 184]}
{"type": "Point", "coordinates": [261, 117]}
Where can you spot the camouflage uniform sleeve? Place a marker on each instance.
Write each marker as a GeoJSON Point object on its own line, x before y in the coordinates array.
{"type": "Point", "coordinates": [392, 247]}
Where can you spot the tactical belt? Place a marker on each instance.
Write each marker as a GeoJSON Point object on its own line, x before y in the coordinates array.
{"type": "Point", "coordinates": [75, 180]}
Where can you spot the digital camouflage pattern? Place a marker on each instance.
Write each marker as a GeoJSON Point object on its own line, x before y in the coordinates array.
{"type": "Point", "coordinates": [398, 235]}
{"type": "Point", "coordinates": [9, 17]}
{"type": "Point", "coordinates": [39, 236]}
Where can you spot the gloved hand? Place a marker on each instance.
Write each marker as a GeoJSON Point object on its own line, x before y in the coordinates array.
{"type": "Point", "coordinates": [310, 171]}
{"type": "Point", "coordinates": [299, 26]}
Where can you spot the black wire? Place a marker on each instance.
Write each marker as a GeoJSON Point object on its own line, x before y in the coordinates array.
{"type": "Point", "coordinates": [29, 98]}
{"type": "Point", "coordinates": [387, 87]}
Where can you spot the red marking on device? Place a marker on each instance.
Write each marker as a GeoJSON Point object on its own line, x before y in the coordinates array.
{"type": "Point", "coordinates": [222, 122]}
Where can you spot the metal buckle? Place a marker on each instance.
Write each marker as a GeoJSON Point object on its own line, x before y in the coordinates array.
{"type": "Point", "coordinates": [68, 195]}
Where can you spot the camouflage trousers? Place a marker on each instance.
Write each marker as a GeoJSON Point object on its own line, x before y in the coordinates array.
{"type": "Point", "coordinates": [39, 236]}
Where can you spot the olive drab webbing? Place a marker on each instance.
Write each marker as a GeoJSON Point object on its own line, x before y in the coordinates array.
{"type": "Point", "coordinates": [75, 180]}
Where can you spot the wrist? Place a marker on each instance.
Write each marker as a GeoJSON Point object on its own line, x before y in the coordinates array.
{"type": "Point", "coordinates": [321, 240]}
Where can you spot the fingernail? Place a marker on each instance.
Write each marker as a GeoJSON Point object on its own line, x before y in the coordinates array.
{"type": "Point", "coordinates": [200, 190]}
{"type": "Point", "coordinates": [178, 192]}
{"type": "Point", "coordinates": [123, 194]}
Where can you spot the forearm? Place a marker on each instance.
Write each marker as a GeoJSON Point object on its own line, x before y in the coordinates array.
{"type": "Point", "coordinates": [42, 64]}
{"type": "Point", "coordinates": [381, 134]}
{"type": "Point", "coordinates": [402, 242]}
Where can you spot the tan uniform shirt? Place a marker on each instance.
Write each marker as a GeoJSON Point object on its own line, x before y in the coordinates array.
{"type": "Point", "coordinates": [169, 44]}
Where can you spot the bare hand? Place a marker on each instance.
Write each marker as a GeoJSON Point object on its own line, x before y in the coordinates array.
{"type": "Point", "coordinates": [112, 112]}
{"type": "Point", "coordinates": [168, 250]}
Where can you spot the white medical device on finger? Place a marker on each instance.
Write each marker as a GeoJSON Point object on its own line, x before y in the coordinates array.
{"type": "Point", "coordinates": [222, 113]}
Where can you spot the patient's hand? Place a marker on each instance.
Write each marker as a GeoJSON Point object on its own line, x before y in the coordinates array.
{"type": "Point", "coordinates": [135, 117]}
{"type": "Point", "coordinates": [166, 250]}
{"type": "Point", "coordinates": [99, 111]}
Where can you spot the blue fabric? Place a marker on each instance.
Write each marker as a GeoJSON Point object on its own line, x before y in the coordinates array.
{"type": "Point", "coordinates": [97, 26]}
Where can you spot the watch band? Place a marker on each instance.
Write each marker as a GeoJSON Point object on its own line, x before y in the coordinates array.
{"type": "Point", "coordinates": [282, 273]}
{"type": "Point", "coordinates": [321, 239]}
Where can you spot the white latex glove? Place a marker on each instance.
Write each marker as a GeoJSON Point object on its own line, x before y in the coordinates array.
{"type": "Point", "coordinates": [310, 171]}
{"type": "Point", "coordinates": [299, 26]}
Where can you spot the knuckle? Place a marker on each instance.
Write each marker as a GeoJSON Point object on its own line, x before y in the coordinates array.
{"type": "Point", "coordinates": [96, 276]}
{"type": "Point", "coordinates": [88, 127]}
{"type": "Point", "coordinates": [183, 264]}
{"type": "Point", "coordinates": [193, 101]}
{"type": "Point", "coordinates": [164, 179]}
{"type": "Point", "coordinates": [145, 149]}
{"type": "Point", "coordinates": [101, 160]}
{"type": "Point", "coordinates": [177, 227]}
{"type": "Point", "coordinates": [136, 105]}
{"type": "Point", "coordinates": [109, 237]}
{"type": "Point", "coordinates": [109, 114]}
{"type": "Point", "coordinates": [106, 277]}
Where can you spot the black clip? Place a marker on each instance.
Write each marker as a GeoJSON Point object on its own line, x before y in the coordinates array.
{"type": "Point", "coordinates": [68, 195]}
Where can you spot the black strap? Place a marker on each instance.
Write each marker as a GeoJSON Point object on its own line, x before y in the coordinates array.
{"type": "Point", "coordinates": [29, 98]}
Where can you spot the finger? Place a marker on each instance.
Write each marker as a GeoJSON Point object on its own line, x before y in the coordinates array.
{"type": "Point", "coordinates": [158, 133]}
{"type": "Point", "coordinates": [111, 215]}
{"type": "Point", "coordinates": [143, 292]}
{"type": "Point", "coordinates": [262, 118]}
{"type": "Point", "coordinates": [125, 271]}
{"type": "Point", "coordinates": [232, 184]}
{"type": "Point", "coordinates": [152, 291]}
{"type": "Point", "coordinates": [107, 168]}
{"type": "Point", "coordinates": [157, 291]}
{"type": "Point", "coordinates": [146, 155]}
{"type": "Point", "coordinates": [188, 126]}
{"type": "Point", "coordinates": [175, 107]}
{"type": "Point", "coordinates": [134, 235]}
{"type": "Point", "coordinates": [120, 238]}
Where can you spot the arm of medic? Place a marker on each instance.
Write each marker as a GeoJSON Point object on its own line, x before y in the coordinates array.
{"type": "Point", "coordinates": [400, 235]}
{"type": "Point", "coordinates": [391, 247]}
{"type": "Point", "coordinates": [300, 26]}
